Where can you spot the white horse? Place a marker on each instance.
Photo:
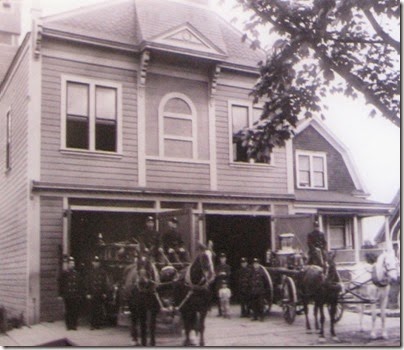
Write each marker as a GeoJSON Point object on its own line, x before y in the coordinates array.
{"type": "Point", "coordinates": [373, 283]}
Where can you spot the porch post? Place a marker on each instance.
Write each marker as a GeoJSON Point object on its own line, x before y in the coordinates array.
{"type": "Point", "coordinates": [387, 233]}
{"type": "Point", "coordinates": [356, 239]}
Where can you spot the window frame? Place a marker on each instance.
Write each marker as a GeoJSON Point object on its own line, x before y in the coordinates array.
{"type": "Point", "coordinates": [8, 140]}
{"type": "Point", "coordinates": [347, 232]}
{"type": "Point", "coordinates": [311, 155]}
{"type": "Point", "coordinates": [92, 85]}
{"type": "Point", "coordinates": [182, 116]}
{"type": "Point", "coordinates": [250, 106]}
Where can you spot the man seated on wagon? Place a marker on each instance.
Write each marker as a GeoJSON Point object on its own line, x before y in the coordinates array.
{"type": "Point", "coordinates": [149, 239]}
{"type": "Point", "coordinates": [173, 246]}
{"type": "Point", "coordinates": [317, 245]}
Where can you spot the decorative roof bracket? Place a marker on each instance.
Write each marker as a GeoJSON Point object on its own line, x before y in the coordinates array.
{"type": "Point", "coordinates": [215, 78]}
{"type": "Point", "coordinates": [144, 64]}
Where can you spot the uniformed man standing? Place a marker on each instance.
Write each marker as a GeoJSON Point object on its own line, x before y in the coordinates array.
{"type": "Point", "coordinates": [96, 288]}
{"type": "Point", "coordinates": [258, 286]}
{"type": "Point", "coordinates": [172, 243]}
{"type": "Point", "coordinates": [222, 271]}
{"type": "Point", "coordinates": [243, 285]}
{"type": "Point", "coordinates": [149, 239]}
{"type": "Point", "coordinates": [317, 245]}
{"type": "Point", "coordinates": [70, 288]}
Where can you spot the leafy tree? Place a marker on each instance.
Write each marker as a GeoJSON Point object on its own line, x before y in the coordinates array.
{"type": "Point", "coordinates": [324, 47]}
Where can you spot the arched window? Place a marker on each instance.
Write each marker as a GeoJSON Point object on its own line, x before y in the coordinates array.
{"type": "Point", "coordinates": [177, 127]}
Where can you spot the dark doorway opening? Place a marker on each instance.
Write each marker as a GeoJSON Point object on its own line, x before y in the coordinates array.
{"type": "Point", "coordinates": [239, 236]}
{"type": "Point", "coordinates": [115, 227]}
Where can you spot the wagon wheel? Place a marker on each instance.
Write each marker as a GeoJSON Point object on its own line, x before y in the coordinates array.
{"type": "Point", "coordinates": [269, 293]}
{"type": "Point", "coordinates": [289, 300]}
{"type": "Point", "coordinates": [339, 312]}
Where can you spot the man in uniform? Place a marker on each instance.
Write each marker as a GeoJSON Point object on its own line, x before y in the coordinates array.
{"type": "Point", "coordinates": [258, 286]}
{"type": "Point", "coordinates": [70, 287]}
{"type": "Point", "coordinates": [96, 288]}
{"type": "Point", "coordinates": [173, 244]}
{"type": "Point", "coordinates": [317, 245]}
{"type": "Point", "coordinates": [149, 239]}
{"type": "Point", "coordinates": [243, 285]}
{"type": "Point", "coordinates": [222, 272]}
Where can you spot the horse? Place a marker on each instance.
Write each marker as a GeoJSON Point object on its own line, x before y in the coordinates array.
{"type": "Point", "coordinates": [139, 291]}
{"type": "Point", "coordinates": [193, 294]}
{"type": "Point", "coordinates": [323, 289]}
{"type": "Point", "coordinates": [373, 283]}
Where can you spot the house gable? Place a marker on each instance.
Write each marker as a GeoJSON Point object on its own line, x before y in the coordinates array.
{"type": "Point", "coordinates": [342, 176]}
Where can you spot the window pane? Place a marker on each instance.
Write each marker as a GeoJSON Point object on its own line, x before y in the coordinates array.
{"type": "Point", "coordinates": [178, 149]}
{"type": "Point", "coordinates": [77, 133]}
{"type": "Point", "coordinates": [105, 136]}
{"type": "Point", "coordinates": [177, 127]}
{"type": "Point", "coordinates": [105, 103]}
{"type": "Point", "coordinates": [239, 152]}
{"type": "Point", "coordinates": [77, 99]}
{"type": "Point", "coordinates": [256, 114]}
{"type": "Point", "coordinates": [240, 118]}
{"type": "Point", "coordinates": [318, 164]}
{"type": "Point", "coordinates": [337, 240]}
{"type": "Point", "coordinates": [304, 163]}
{"type": "Point", "coordinates": [304, 178]}
{"type": "Point", "coordinates": [177, 105]}
{"type": "Point", "coordinates": [318, 179]}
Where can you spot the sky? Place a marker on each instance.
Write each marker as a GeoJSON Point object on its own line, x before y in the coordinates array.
{"type": "Point", "coordinates": [374, 143]}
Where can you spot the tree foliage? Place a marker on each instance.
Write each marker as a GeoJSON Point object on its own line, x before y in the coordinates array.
{"type": "Point", "coordinates": [324, 47]}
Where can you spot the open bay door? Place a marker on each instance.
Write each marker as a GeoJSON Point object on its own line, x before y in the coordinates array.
{"type": "Point", "coordinates": [300, 225]}
{"type": "Point", "coordinates": [185, 227]}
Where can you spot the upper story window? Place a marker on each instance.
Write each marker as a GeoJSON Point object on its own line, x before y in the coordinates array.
{"type": "Point", "coordinates": [311, 170]}
{"type": "Point", "coordinates": [242, 115]}
{"type": "Point", "coordinates": [8, 140]}
{"type": "Point", "coordinates": [177, 127]}
{"type": "Point", "coordinates": [91, 117]}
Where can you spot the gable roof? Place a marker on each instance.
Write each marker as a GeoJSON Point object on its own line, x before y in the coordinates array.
{"type": "Point", "coordinates": [394, 223]}
{"type": "Point", "coordinates": [139, 24]}
{"type": "Point", "coordinates": [320, 127]}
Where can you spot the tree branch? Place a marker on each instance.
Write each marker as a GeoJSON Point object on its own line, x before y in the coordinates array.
{"type": "Point", "coordinates": [379, 30]}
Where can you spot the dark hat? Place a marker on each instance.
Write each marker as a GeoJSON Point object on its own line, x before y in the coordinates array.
{"type": "Point", "coordinates": [174, 220]}
{"type": "Point", "coordinates": [243, 260]}
{"type": "Point", "coordinates": [222, 255]}
{"type": "Point", "coordinates": [150, 218]}
{"type": "Point", "coordinates": [256, 260]}
{"type": "Point", "coordinates": [96, 258]}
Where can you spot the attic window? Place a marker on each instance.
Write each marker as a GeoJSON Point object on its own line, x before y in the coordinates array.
{"type": "Point", "coordinates": [311, 170]}
{"type": "Point", "coordinates": [178, 134]}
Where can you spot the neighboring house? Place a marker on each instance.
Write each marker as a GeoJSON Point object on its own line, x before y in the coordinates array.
{"type": "Point", "coordinates": [121, 110]}
{"type": "Point", "coordinates": [394, 228]}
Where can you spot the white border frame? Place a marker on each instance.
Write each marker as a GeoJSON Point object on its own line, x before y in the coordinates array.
{"type": "Point", "coordinates": [311, 154]}
{"type": "Point", "coordinates": [92, 84]}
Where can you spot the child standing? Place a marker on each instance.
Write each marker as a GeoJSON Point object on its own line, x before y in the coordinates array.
{"type": "Point", "coordinates": [224, 297]}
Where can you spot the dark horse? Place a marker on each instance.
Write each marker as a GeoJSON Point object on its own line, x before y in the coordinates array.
{"type": "Point", "coordinates": [139, 291]}
{"type": "Point", "coordinates": [323, 289]}
{"type": "Point", "coordinates": [193, 294]}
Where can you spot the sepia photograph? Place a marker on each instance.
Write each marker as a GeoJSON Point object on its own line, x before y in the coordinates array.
{"type": "Point", "coordinates": [180, 173]}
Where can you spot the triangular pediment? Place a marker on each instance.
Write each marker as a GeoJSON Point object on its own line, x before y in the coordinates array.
{"type": "Point", "coordinates": [187, 37]}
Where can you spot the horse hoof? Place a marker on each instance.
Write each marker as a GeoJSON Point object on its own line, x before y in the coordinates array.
{"type": "Point", "coordinates": [321, 340]}
{"type": "Point", "coordinates": [384, 336]}
{"type": "Point", "coordinates": [373, 336]}
{"type": "Point", "coordinates": [336, 339]}
{"type": "Point", "coordinates": [309, 331]}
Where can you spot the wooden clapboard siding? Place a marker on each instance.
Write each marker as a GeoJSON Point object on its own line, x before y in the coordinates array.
{"type": "Point", "coordinates": [51, 241]}
{"type": "Point", "coordinates": [186, 176]}
{"type": "Point", "coordinates": [76, 168]}
{"type": "Point", "coordinates": [14, 192]}
{"type": "Point", "coordinates": [246, 178]}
